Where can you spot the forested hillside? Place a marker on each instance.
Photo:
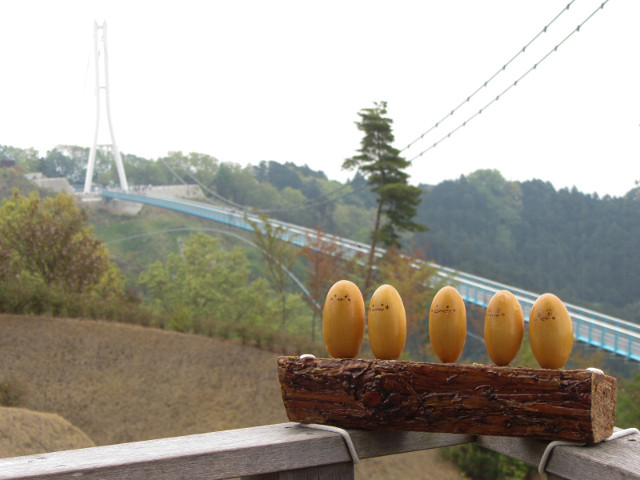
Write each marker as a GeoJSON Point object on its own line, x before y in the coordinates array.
{"type": "Point", "coordinates": [526, 234]}
{"type": "Point", "coordinates": [581, 247]}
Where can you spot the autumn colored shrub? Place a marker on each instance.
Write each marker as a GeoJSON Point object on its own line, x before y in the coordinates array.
{"type": "Point", "coordinates": [52, 263]}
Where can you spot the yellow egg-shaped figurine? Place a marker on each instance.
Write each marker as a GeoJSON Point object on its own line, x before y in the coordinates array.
{"type": "Point", "coordinates": [503, 327]}
{"type": "Point", "coordinates": [343, 319]}
{"type": "Point", "coordinates": [448, 324]}
{"type": "Point", "coordinates": [550, 331]}
{"type": "Point", "coordinates": [387, 323]}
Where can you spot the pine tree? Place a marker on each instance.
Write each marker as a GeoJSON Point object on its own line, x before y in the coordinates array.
{"type": "Point", "coordinates": [383, 167]}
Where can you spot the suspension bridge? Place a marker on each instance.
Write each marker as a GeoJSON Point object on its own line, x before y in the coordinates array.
{"type": "Point", "coordinates": [602, 331]}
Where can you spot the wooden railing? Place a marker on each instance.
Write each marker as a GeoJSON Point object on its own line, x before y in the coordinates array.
{"type": "Point", "coordinates": [292, 451]}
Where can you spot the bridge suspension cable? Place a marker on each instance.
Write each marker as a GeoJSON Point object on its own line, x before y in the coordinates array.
{"type": "Point", "coordinates": [486, 82]}
{"type": "Point", "coordinates": [503, 92]}
{"type": "Point", "coordinates": [497, 97]}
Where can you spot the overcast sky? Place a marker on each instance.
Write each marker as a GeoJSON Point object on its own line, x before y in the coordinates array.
{"type": "Point", "coordinates": [247, 81]}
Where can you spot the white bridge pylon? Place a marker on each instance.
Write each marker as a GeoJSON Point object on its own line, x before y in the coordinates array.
{"type": "Point", "coordinates": [102, 85]}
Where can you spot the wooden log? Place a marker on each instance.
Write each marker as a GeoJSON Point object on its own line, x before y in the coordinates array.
{"type": "Point", "coordinates": [574, 405]}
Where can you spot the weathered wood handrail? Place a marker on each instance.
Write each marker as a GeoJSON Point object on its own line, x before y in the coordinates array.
{"type": "Point", "coordinates": [292, 451]}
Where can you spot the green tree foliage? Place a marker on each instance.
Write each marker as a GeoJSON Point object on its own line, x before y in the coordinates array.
{"type": "Point", "coordinates": [49, 240]}
{"type": "Point", "coordinates": [581, 247]}
{"type": "Point", "coordinates": [141, 171]}
{"type": "Point", "coordinates": [301, 195]}
{"type": "Point", "coordinates": [352, 222]}
{"type": "Point", "coordinates": [50, 261]}
{"type": "Point", "coordinates": [235, 183]}
{"type": "Point", "coordinates": [207, 289]}
{"type": "Point", "coordinates": [26, 158]}
{"type": "Point", "coordinates": [279, 257]}
{"type": "Point", "coordinates": [278, 175]}
{"type": "Point", "coordinates": [627, 411]}
{"type": "Point", "coordinates": [66, 161]}
{"type": "Point", "coordinates": [12, 178]}
{"type": "Point", "coordinates": [383, 167]}
{"type": "Point", "coordinates": [192, 168]}
{"type": "Point", "coordinates": [482, 464]}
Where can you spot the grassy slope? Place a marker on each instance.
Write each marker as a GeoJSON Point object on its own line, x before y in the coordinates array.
{"type": "Point", "coordinates": [23, 432]}
{"type": "Point", "coordinates": [120, 383]}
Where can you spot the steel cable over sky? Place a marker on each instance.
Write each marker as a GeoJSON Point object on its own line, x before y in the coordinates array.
{"type": "Point", "coordinates": [486, 82]}
{"type": "Point", "coordinates": [497, 97]}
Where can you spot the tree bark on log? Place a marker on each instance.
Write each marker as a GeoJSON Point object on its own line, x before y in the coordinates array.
{"type": "Point", "coordinates": [573, 405]}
